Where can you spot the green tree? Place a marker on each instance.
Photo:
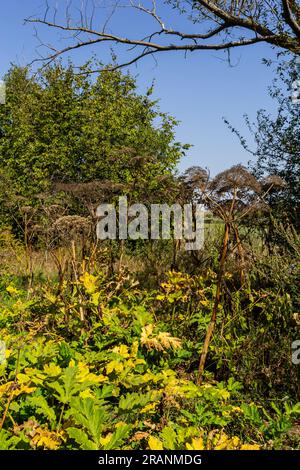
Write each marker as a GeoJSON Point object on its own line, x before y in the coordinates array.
{"type": "Point", "coordinates": [277, 149]}
{"type": "Point", "coordinates": [64, 127]}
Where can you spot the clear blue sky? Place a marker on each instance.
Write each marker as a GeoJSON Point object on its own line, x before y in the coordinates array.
{"type": "Point", "coordinates": [197, 90]}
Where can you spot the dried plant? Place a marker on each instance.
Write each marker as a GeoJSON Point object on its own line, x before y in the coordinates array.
{"type": "Point", "coordinates": [72, 227]}
{"type": "Point", "coordinates": [231, 195]}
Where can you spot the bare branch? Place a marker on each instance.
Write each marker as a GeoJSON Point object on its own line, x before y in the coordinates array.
{"type": "Point", "coordinates": [288, 14]}
{"type": "Point", "coordinates": [230, 24]}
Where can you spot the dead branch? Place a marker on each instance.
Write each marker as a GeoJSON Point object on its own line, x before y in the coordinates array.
{"type": "Point", "coordinates": [219, 25]}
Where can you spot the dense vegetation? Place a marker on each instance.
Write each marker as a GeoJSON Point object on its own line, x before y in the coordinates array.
{"type": "Point", "coordinates": [105, 339]}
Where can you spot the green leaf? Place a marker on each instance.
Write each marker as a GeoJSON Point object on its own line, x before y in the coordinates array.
{"type": "Point", "coordinates": [42, 407]}
{"type": "Point", "coordinates": [81, 438]}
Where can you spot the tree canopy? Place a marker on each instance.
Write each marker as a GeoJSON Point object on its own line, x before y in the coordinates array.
{"type": "Point", "coordinates": [276, 145]}
{"type": "Point", "coordinates": [62, 127]}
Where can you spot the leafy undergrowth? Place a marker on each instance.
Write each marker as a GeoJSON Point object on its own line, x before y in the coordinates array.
{"type": "Point", "coordinates": [96, 365]}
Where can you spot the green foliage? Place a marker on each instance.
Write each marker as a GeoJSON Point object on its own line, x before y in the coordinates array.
{"type": "Point", "coordinates": [276, 151]}
{"type": "Point", "coordinates": [121, 380]}
{"type": "Point", "coordinates": [64, 127]}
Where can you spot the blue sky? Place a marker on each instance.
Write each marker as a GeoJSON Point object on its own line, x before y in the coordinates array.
{"type": "Point", "coordinates": [198, 90]}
